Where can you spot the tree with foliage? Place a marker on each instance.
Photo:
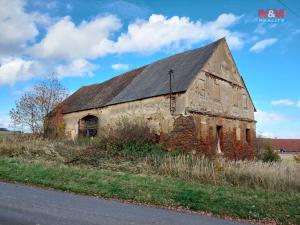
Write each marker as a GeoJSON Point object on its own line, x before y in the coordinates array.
{"type": "Point", "coordinates": [269, 155]}
{"type": "Point", "coordinates": [33, 106]}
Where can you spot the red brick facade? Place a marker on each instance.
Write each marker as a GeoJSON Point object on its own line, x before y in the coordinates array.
{"type": "Point", "coordinates": [54, 123]}
{"type": "Point", "coordinates": [198, 133]}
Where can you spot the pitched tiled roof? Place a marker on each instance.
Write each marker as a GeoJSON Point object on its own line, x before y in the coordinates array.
{"type": "Point", "coordinates": [289, 145]}
{"type": "Point", "coordinates": [98, 95]}
{"type": "Point", "coordinates": [154, 80]}
{"type": "Point", "coordinates": [148, 81]}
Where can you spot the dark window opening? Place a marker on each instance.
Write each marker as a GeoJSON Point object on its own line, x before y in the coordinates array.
{"type": "Point", "coordinates": [248, 136]}
{"type": "Point", "coordinates": [219, 133]}
{"type": "Point", "coordinates": [88, 126]}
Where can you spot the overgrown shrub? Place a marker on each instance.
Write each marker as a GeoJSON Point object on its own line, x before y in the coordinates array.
{"type": "Point", "coordinates": [269, 155]}
{"type": "Point", "coordinates": [132, 132]}
{"type": "Point", "coordinates": [130, 140]}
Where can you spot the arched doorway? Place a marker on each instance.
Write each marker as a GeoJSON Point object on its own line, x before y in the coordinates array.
{"type": "Point", "coordinates": [88, 126]}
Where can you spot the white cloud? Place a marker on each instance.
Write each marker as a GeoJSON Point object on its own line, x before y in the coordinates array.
{"type": "Point", "coordinates": [65, 40]}
{"type": "Point", "coordinates": [91, 39]}
{"type": "Point", "coordinates": [261, 45]}
{"type": "Point", "coordinates": [5, 122]}
{"type": "Point", "coordinates": [260, 29]}
{"type": "Point", "coordinates": [16, 69]}
{"type": "Point", "coordinates": [268, 117]}
{"type": "Point", "coordinates": [23, 90]}
{"type": "Point", "coordinates": [67, 48]}
{"type": "Point", "coordinates": [78, 67]}
{"type": "Point", "coordinates": [160, 32]}
{"type": "Point", "coordinates": [286, 102]}
{"type": "Point", "coordinates": [262, 134]}
{"type": "Point", "coordinates": [13, 69]}
{"type": "Point", "coordinates": [298, 103]}
{"type": "Point", "coordinates": [18, 31]}
{"type": "Point", "coordinates": [17, 26]}
{"type": "Point", "coordinates": [120, 66]}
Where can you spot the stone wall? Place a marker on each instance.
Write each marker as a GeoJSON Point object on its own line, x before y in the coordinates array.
{"type": "Point", "coordinates": [219, 90]}
{"type": "Point", "coordinates": [216, 99]}
{"type": "Point", "coordinates": [155, 112]}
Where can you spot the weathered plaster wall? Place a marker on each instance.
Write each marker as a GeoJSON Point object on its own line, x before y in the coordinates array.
{"type": "Point", "coordinates": [219, 90]}
{"type": "Point", "coordinates": [154, 111]}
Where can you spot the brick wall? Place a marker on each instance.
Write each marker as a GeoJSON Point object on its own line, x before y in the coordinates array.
{"type": "Point", "coordinates": [198, 133]}
{"type": "Point", "coordinates": [54, 123]}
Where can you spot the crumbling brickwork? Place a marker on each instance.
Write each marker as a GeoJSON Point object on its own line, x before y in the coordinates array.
{"type": "Point", "coordinates": [54, 124]}
{"type": "Point", "coordinates": [198, 134]}
{"type": "Point", "coordinates": [186, 136]}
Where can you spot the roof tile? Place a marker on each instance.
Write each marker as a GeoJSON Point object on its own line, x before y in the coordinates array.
{"type": "Point", "coordinates": [144, 82]}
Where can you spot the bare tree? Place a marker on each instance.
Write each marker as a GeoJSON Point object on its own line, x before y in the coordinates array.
{"type": "Point", "coordinates": [33, 106]}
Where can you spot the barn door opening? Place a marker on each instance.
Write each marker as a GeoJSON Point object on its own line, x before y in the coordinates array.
{"type": "Point", "coordinates": [88, 126]}
{"type": "Point", "coordinates": [219, 133]}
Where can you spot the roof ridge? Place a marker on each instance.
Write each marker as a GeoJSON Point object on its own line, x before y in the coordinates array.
{"type": "Point", "coordinates": [191, 50]}
{"type": "Point", "coordinates": [143, 82]}
{"type": "Point", "coordinates": [179, 53]}
{"type": "Point", "coordinates": [151, 82]}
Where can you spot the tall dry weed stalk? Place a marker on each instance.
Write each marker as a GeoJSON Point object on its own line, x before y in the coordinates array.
{"type": "Point", "coordinates": [277, 176]}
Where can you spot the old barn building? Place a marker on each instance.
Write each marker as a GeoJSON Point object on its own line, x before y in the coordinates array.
{"type": "Point", "coordinates": [194, 101]}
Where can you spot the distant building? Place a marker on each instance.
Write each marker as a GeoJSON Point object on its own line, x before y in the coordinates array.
{"type": "Point", "coordinates": [286, 145]}
{"type": "Point", "coordinates": [205, 107]}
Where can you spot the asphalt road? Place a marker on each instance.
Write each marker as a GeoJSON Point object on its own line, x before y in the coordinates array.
{"type": "Point", "coordinates": [24, 205]}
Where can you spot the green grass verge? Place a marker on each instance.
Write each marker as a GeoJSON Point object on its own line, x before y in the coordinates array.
{"type": "Point", "coordinates": [248, 204]}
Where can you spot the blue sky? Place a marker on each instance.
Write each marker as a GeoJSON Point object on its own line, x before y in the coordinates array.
{"type": "Point", "coordinates": [86, 42]}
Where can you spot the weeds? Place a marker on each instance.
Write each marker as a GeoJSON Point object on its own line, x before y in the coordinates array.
{"type": "Point", "coordinates": [148, 158]}
{"type": "Point", "coordinates": [269, 155]}
{"type": "Point", "coordinates": [251, 174]}
{"type": "Point", "coordinates": [220, 200]}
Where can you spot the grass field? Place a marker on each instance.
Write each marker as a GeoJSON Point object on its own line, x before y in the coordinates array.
{"type": "Point", "coordinates": [3, 133]}
{"type": "Point", "coordinates": [144, 173]}
{"type": "Point", "coordinates": [230, 201]}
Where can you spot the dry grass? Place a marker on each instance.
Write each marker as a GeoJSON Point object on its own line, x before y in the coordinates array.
{"type": "Point", "coordinates": [280, 176]}
{"type": "Point", "coordinates": [289, 157]}
{"type": "Point", "coordinates": [31, 147]}
{"type": "Point", "coordinates": [254, 174]}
